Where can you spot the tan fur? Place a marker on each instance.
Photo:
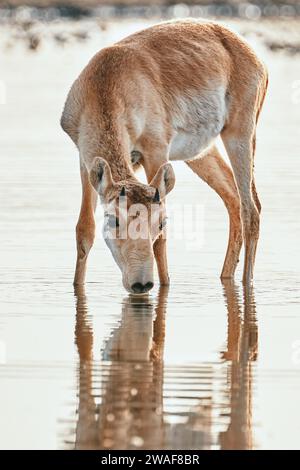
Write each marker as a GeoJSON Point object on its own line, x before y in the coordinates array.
{"type": "Point", "coordinates": [168, 89]}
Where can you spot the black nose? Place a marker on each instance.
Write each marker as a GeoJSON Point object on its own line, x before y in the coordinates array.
{"type": "Point", "coordinates": [140, 288]}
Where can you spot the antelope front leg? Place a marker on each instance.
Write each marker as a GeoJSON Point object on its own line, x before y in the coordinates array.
{"type": "Point", "coordinates": [85, 228]}
{"type": "Point", "coordinates": [160, 253]}
{"type": "Point", "coordinates": [151, 162]}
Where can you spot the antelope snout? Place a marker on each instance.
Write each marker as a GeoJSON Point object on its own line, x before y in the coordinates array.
{"type": "Point", "coordinates": [139, 288]}
{"type": "Point", "coordinates": [138, 271]}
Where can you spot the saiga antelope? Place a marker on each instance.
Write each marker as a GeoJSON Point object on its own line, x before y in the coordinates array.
{"type": "Point", "coordinates": [166, 93]}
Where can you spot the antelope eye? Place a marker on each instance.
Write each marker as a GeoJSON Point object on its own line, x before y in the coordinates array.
{"type": "Point", "coordinates": [112, 221]}
{"type": "Point", "coordinates": [162, 224]}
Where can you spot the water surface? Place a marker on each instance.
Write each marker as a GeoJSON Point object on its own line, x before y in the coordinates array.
{"type": "Point", "coordinates": [198, 366]}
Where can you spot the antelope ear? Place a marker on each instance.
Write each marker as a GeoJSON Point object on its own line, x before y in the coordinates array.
{"type": "Point", "coordinates": [164, 180]}
{"type": "Point", "coordinates": [100, 177]}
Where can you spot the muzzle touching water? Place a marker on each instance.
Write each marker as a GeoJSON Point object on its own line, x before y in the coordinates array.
{"type": "Point", "coordinates": [139, 288]}
{"type": "Point", "coordinates": [138, 269]}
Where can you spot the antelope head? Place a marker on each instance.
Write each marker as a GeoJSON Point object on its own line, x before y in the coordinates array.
{"type": "Point", "coordinates": [134, 217]}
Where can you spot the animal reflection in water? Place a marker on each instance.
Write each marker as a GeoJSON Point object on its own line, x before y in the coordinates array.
{"type": "Point", "coordinates": [124, 401]}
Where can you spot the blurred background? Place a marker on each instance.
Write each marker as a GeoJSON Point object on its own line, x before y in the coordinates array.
{"type": "Point", "coordinates": [201, 366]}
{"type": "Point", "coordinates": [26, 19]}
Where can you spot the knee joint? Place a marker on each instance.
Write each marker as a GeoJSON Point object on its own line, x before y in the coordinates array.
{"type": "Point", "coordinates": [85, 236]}
{"type": "Point", "coordinates": [251, 221]}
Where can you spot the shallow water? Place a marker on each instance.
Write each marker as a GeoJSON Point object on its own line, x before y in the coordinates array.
{"type": "Point", "coordinates": [199, 366]}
